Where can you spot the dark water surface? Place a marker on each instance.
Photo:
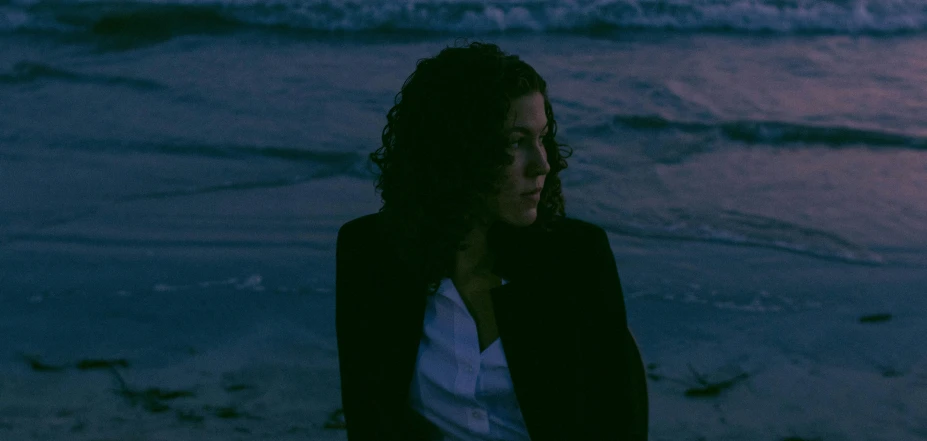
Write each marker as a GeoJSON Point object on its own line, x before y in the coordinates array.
{"type": "Point", "coordinates": [762, 173]}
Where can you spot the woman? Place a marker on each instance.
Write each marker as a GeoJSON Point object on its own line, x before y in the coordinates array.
{"type": "Point", "coordinates": [469, 307]}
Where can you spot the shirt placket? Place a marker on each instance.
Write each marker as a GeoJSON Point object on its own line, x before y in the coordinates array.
{"type": "Point", "coordinates": [467, 348]}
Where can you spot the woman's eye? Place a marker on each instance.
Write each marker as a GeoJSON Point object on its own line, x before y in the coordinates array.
{"type": "Point", "coordinates": [513, 144]}
{"type": "Point", "coordinates": [517, 141]}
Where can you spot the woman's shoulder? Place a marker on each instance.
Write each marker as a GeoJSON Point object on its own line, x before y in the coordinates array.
{"type": "Point", "coordinates": [569, 228]}
{"type": "Point", "coordinates": [562, 233]}
{"type": "Point", "coordinates": [563, 245]}
{"type": "Point", "coordinates": [358, 231]}
{"type": "Point", "coordinates": [363, 223]}
{"type": "Point", "coordinates": [575, 235]}
{"type": "Point", "coordinates": [357, 241]}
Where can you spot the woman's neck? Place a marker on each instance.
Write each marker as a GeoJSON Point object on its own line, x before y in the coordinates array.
{"type": "Point", "coordinates": [476, 259]}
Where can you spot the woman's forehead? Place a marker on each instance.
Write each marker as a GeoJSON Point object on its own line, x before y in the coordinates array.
{"type": "Point", "coordinates": [527, 113]}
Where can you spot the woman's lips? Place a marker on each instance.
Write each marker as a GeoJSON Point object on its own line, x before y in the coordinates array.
{"type": "Point", "coordinates": [536, 195]}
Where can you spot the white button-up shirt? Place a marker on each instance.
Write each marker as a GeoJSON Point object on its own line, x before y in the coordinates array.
{"type": "Point", "coordinates": [466, 394]}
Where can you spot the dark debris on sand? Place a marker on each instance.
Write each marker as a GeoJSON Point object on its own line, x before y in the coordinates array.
{"type": "Point", "coordinates": [37, 365]}
{"type": "Point", "coordinates": [89, 364]}
{"type": "Point", "coordinates": [152, 399]}
{"type": "Point", "coordinates": [230, 412]}
{"type": "Point", "coordinates": [336, 420]}
{"type": "Point", "coordinates": [875, 318]}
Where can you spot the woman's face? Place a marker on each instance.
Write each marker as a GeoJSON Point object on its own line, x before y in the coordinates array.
{"type": "Point", "coordinates": [525, 126]}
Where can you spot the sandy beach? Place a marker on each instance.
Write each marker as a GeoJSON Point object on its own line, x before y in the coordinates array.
{"type": "Point", "coordinates": [170, 196]}
{"type": "Point", "coordinates": [196, 343]}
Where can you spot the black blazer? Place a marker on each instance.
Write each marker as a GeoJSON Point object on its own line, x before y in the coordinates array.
{"type": "Point", "coordinates": [575, 367]}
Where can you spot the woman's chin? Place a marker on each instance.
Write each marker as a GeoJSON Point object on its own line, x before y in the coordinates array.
{"type": "Point", "coordinates": [522, 219]}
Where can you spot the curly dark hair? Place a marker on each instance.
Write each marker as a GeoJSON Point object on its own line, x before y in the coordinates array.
{"type": "Point", "coordinates": [444, 150]}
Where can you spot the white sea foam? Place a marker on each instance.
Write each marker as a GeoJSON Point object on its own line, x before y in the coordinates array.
{"type": "Point", "coordinates": [830, 16]}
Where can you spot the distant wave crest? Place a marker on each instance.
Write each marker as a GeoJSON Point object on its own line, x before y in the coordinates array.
{"type": "Point", "coordinates": [160, 19]}
{"type": "Point", "coordinates": [771, 132]}
{"type": "Point", "coordinates": [745, 229]}
{"type": "Point", "coordinates": [27, 72]}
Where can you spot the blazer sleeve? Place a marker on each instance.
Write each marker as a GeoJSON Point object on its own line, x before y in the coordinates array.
{"type": "Point", "coordinates": [370, 412]}
{"type": "Point", "coordinates": [635, 381]}
{"type": "Point", "coordinates": [356, 384]}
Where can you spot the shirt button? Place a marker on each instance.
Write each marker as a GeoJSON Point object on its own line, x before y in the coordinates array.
{"type": "Point", "coordinates": [469, 368]}
{"type": "Point", "coordinates": [477, 414]}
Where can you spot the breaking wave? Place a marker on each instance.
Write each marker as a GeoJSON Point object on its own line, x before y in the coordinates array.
{"type": "Point", "coordinates": [162, 19]}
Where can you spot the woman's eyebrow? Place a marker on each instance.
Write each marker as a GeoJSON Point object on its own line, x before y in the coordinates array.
{"type": "Point", "coordinates": [525, 130]}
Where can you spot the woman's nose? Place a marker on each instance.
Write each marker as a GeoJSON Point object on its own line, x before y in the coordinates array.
{"type": "Point", "coordinates": [539, 160]}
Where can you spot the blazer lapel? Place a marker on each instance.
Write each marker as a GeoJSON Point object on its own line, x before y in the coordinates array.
{"type": "Point", "coordinates": [528, 319]}
{"type": "Point", "coordinates": [535, 338]}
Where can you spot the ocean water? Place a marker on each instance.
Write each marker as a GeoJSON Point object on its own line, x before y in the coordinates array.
{"type": "Point", "coordinates": [730, 148]}
{"type": "Point", "coordinates": [798, 126]}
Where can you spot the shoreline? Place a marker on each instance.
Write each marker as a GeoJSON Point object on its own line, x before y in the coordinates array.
{"type": "Point", "coordinates": [243, 347]}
